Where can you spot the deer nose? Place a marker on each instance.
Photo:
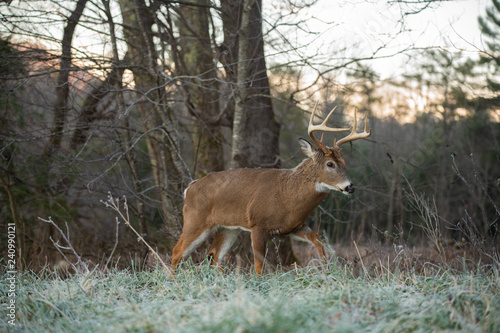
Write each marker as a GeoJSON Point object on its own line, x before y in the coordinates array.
{"type": "Point", "coordinates": [349, 188]}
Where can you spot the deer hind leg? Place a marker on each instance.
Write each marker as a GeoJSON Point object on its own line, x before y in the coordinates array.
{"type": "Point", "coordinates": [259, 241]}
{"type": "Point", "coordinates": [306, 234]}
{"type": "Point", "coordinates": [223, 240]}
{"type": "Point", "coordinates": [188, 242]}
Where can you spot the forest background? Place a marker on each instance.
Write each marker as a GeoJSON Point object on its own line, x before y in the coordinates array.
{"type": "Point", "coordinates": [137, 98]}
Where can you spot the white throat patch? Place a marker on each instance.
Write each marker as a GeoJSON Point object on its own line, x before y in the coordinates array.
{"type": "Point", "coordinates": [325, 188]}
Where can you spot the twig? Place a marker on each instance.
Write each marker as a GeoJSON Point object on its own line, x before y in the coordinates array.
{"type": "Point", "coordinates": [361, 260]}
{"type": "Point", "coordinates": [428, 214]}
{"type": "Point", "coordinates": [115, 205]}
{"type": "Point", "coordinates": [69, 247]}
{"type": "Point", "coordinates": [497, 209]}
{"type": "Point", "coordinates": [471, 191]}
{"type": "Point", "coordinates": [116, 243]}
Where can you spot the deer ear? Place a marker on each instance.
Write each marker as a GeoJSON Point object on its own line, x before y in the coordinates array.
{"type": "Point", "coordinates": [306, 147]}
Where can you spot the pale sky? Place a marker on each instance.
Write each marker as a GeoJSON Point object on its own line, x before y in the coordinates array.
{"type": "Point", "coordinates": [450, 24]}
{"type": "Point", "coordinates": [362, 26]}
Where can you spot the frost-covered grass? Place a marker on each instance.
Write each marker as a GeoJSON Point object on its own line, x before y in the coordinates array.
{"type": "Point", "coordinates": [204, 299]}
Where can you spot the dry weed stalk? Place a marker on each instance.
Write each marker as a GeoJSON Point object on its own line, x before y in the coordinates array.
{"type": "Point", "coordinates": [467, 226]}
{"type": "Point", "coordinates": [427, 211]}
{"type": "Point", "coordinates": [116, 244]}
{"type": "Point", "coordinates": [82, 266]}
{"type": "Point", "coordinates": [114, 204]}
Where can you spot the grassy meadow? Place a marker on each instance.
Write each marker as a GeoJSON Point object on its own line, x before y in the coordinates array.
{"type": "Point", "coordinates": [309, 299]}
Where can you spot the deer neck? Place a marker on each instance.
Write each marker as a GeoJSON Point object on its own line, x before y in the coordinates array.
{"type": "Point", "coordinates": [301, 186]}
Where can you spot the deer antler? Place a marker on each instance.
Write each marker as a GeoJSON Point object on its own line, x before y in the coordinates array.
{"type": "Point", "coordinates": [354, 135]}
{"type": "Point", "coordinates": [321, 127]}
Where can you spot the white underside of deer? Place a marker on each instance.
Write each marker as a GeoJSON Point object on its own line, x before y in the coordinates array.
{"type": "Point", "coordinates": [266, 202]}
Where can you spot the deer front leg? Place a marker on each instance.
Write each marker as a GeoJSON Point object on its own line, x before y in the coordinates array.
{"type": "Point", "coordinates": [306, 234]}
{"type": "Point", "coordinates": [259, 241]}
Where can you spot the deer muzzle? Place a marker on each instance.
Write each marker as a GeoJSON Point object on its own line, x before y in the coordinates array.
{"type": "Point", "coordinates": [349, 188]}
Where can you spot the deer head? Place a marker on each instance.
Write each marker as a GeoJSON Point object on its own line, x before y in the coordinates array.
{"type": "Point", "coordinates": [329, 165]}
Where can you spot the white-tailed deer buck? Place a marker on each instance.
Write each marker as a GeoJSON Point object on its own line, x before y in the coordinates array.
{"type": "Point", "coordinates": [266, 202]}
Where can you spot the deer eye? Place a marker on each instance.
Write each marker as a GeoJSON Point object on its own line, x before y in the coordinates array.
{"type": "Point", "coordinates": [330, 164]}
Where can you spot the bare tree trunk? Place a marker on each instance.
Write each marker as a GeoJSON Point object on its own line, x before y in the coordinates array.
{"type": "Point", "coordinates": [392, 192]}
{"type": "Point", "coordinates": [202, 91]}
{"type": "Point", "coordinates": [255, 129]}
{"type": "Point", "coordinates": [231, 11]}
{"type": "Point", "coordinates": [62, 88]}
{"type": "Point", "coordinates": [5, 181]}
{"type": "Point", "coordinates": [157, 118]}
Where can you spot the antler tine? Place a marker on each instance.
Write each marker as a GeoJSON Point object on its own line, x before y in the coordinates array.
{"type": "Point", "coordinates": [321, 127]}
{"type": "Point", "coordinates": [354, 135]}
